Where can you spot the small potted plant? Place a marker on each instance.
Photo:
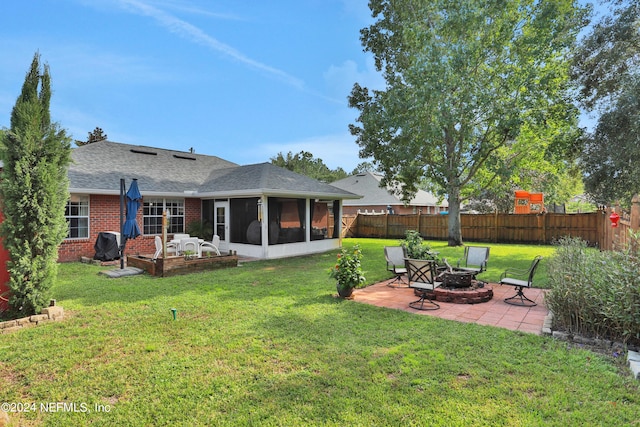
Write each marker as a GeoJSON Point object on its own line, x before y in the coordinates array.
{"type": "Point", "coordinates": [347, 271]}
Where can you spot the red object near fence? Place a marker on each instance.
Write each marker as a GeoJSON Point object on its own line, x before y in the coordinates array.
{"type": "Point", "coordinates": [614, 218]}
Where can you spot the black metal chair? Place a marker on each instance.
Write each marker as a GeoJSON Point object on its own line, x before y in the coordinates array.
{"type": "Point", "coordinates": [422, 278]}
{"type": "Point", "coordinates": [395, 256]}
{"type": "Point", "coordinates": [474, 259]}
{"type": "Point", "coordinates": [514, 277]}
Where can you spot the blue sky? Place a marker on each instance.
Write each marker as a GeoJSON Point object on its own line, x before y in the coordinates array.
{"type": "Point", "coordinates": [242, 80]}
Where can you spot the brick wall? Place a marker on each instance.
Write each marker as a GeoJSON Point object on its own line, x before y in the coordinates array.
{"type": "Point", "coordinates": [104, 215]}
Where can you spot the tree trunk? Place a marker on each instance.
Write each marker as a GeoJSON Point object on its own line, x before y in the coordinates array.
{"type": "Point", "coordinates": [455, 231]}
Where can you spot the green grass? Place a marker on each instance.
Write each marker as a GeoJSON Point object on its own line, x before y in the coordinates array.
{"type": "Point", "coordinates": [269, 344]}
{"type": "Point", "coordinates": [501, 257]}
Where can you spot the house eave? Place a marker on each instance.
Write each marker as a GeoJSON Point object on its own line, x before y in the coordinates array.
{"type": "Point", "coordinates": [220, 194]}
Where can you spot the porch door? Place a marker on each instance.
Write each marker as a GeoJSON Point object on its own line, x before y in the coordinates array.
{"type": "Point", "coordinates": [221, 223]}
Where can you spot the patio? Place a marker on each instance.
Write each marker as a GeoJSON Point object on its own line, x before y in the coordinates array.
{"type": "Point", "coordinates": [494, 312]}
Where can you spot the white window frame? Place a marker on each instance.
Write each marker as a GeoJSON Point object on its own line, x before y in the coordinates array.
{"type": "Point", "coordinates": [79, 202]}
{"type": "Point", "coordinates": [175, 208]}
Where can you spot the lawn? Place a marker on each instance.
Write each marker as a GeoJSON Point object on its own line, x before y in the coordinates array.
{"type": "Point", "coordinates": [268, 343]}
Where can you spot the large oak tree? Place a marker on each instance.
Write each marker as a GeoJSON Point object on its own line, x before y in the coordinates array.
{"type": "Point", "coordinates": [473, 89]}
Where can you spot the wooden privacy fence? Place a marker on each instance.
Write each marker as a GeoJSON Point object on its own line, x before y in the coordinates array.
{"type": "Point", "coordinates": [497, 228]}
{"type": "Point", "coordinates": [618, 238]}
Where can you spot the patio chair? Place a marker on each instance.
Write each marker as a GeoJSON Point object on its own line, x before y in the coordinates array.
{"type": "Point", "coordinates": [395, 256]}
{"type": "Point", "coordinates": [171, 248]}
{"type": "Point", "coordinates": [474, 260]}
{"type": "Point", "coordinates": [158, 242]}
{"type": "Point", "coordinates": [422, 278]}
{"type": "Point", "coordinates": [211, 246]}
{"type": "Point", "coordinates": [190, 244]}
{"type": "Point", "coordinates": [520, 279]}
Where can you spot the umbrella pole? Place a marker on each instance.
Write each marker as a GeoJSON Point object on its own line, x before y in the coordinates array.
{"type": "Point", "coordinates": [122, 238]}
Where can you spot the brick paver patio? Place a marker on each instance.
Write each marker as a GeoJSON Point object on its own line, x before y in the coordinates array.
{"type": "Point", "coordinates": [494, 312]}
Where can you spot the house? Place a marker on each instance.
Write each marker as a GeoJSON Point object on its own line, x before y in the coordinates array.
{"type": "Point", "coordinates": [259, 210]}
{"type": "Point", "coordinates": [379, 200]}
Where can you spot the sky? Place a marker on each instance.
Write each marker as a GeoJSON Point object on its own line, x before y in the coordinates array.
{"type": "Point", "coordinates": [241, 80]}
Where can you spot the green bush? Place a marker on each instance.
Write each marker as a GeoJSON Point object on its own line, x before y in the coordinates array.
{"type": "Point", "coordinates": [414, 245]}
{"type": "Point", "coordinates": [595, 293]}
{"type": "Point", "coordinates": [201, 229]}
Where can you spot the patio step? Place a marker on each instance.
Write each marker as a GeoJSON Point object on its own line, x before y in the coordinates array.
{"type": "Point", "coordinates": [122, 272]}
{"type": "Point", "coordinates": [634, 363]}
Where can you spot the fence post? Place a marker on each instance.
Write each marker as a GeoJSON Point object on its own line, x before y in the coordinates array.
{"type": "Point", "coordinates": [616, 232]}
{"type": "Point", "coordinates": [386, 225]}
{"type": "Point", "coordinates": [634, 223]}
{"type": "Point", "coordinates": [604, 243]}
{"type": "Point", "coordinates": [541, 228]}
{"type": "Point", "coordinates": [635, 213]}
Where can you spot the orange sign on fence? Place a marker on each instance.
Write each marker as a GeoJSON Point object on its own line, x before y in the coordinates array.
{"type": "Point", "coordinates": [529, 202]}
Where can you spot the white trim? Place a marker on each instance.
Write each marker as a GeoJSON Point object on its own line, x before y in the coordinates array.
{"type": "Point", "coordinates": [221, 194]}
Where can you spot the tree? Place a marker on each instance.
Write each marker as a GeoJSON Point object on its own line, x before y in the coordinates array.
{"type": "Point", "coordinates": [607, 70]}
{"type": "Point", "coordinates": [304, 164]}
{"type": "Point", "coordinates": [364, 167]}
{"type": "Point", "coordinates": [34, 191]}
{"type": "Point", "coordinates": [474, 89]}
{"type": "Point", "coordinates": [96, 136]}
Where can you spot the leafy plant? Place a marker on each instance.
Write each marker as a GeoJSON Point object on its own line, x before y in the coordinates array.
{"type": "Point", "coordinates": [595, 293]}
{"type": "Point", "coordinates": [348, 269]}
{"type": "Point", "coordinates": [201, 229]}
{"type": "Point", "coordinates": [416, 247]}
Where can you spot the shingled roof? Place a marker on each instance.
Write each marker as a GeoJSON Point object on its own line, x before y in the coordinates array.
{"type": "Point", "coordinates": [367, 184]}
{"type": "Point", "coordinates": [98, 167]}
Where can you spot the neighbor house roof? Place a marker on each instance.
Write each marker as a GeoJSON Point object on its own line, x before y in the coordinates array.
{"type": "Point", "coordinates": [98, 167]}
{"type": "Point", "coordinates": [367, 184]}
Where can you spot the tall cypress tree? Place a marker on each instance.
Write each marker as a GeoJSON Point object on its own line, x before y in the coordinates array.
{"type": "Point", "coordinates": [34, 190]}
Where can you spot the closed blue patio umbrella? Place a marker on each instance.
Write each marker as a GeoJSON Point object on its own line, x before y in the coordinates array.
{"type": "Point", "coordinates": [130, 228]}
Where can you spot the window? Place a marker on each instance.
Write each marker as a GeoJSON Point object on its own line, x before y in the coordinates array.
{"type": "Point", "coordinates": [77, 214]}
{"type": "Point", "coordinates": [287, 220]}
{"type": "Point", "coordinates": [152, 214]}
{"type": "Point", "coordinates": [245, 227]}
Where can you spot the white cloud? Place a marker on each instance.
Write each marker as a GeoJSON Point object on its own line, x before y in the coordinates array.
{"type": "Point", "coordinates": [341, 78]}
{"type": "Point", "coordinates": [187, 7]}
{"type": "Point", "coordinates": [190, 32]}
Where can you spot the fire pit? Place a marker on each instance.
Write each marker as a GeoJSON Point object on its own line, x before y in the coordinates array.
{"type": "Point", "coordinates": [475, 293]}
{"type": "Point", "coordinates": [456, 279]}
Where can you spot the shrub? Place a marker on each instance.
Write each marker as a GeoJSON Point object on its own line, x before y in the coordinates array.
{"type": "Point", "coordinates": [595, 293]}
{"type": "Point", "coordinates": [348, 268]}
{"type": "Point", "coordinates": [201, 229]}
{"type": "Point", "coordinates": [415, 247]}
{"type": "Point", "coordinates": [34, 190]}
